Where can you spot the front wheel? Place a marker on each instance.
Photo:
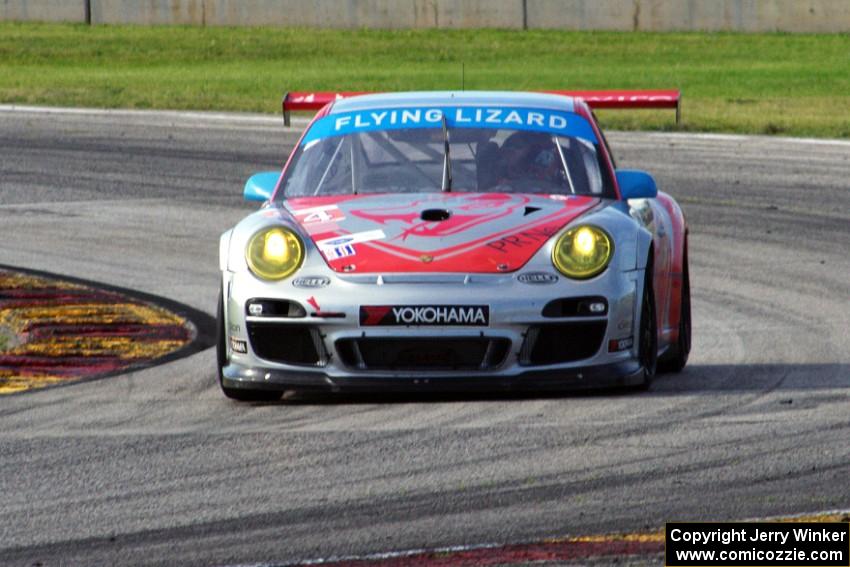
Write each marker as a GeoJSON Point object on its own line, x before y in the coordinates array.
{"type": "Point", "coordinates": [648, 335]}
{"type": "Point", "coordinates": [240, 394]}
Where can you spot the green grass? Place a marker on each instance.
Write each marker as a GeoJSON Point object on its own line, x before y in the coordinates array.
{"type": "Point", "coordinates": [761, 83]}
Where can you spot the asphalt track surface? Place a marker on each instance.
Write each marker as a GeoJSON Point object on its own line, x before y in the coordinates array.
{"type": "Point", "coordinates": [157, 467]}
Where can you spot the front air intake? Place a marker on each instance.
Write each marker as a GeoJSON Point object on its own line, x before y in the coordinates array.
{"type": "Point", "coordinates": [447, 354]}
{"type": "Point", "coordinates": [563, 342]}
{"type": "Point", "coordinates": [286, 343]}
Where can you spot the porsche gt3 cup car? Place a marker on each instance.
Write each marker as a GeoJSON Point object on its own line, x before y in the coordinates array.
{"type": "Point", "coordinates": [451, 240]}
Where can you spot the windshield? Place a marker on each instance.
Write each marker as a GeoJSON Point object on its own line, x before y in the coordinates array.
{"type": "Point", "coordinates": [415, 158]}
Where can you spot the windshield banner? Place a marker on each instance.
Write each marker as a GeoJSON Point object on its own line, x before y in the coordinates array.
{"type": "Point", "coordinates": [533, 119]}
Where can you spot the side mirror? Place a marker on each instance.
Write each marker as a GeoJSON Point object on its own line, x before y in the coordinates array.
{"type": "Point", "coordinates": [260, 186]}
{"type": "Point", "coordinates": [636, 184]}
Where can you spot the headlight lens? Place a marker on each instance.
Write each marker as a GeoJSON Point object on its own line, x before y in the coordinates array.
{"type": "Point", "coordinates": [583, 252]}
{"type": "Point", "coordinates": [274, 253]}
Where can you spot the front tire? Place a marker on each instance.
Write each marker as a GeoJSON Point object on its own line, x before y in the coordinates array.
{"type": "Point", "coordinates": [648, 334]}
{"type": "Point", "coordinates": [240, 394]}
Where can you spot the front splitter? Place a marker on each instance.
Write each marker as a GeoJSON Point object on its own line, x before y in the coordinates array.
{"type": "Point", "coordinates": [603, 376]}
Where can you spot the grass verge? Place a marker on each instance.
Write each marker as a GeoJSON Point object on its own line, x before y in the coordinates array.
{"type": "Point", "coordinates": [750, 83]}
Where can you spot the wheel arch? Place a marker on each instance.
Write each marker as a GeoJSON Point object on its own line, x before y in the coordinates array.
{"type": "Point", "coordinates": [679, 259]}
{"type": "Point", "coordinates": [224, 250]}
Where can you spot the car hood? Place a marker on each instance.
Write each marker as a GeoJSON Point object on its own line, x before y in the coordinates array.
{"type": "Point", "coordinates": [433, 232]}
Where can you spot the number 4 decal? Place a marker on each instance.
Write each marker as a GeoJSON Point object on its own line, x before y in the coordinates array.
{"type": "Point", "coordinates": [318, 215]}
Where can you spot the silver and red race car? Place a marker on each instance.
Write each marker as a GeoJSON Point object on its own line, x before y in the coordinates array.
{"type": "Point", "coordinates": [452, 240]}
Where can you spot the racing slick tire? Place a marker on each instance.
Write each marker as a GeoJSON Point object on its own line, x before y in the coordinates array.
{"type": "Point", "coordinates": [242, 395]}
{"type": "Point", "coordinates": [677, 357]}
{"type": "Point", "coordinates": [648, 334]}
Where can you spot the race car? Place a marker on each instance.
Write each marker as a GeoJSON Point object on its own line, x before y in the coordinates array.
{"type": "Point", "coordinates": [450, 241]}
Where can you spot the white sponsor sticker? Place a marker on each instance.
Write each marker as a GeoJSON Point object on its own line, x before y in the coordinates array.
{"type": "Point", "coordinates": [337, 252]}
{"type": "Point", "coordinates": [357, 237]}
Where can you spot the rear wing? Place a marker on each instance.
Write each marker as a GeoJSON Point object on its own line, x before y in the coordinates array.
{"type": "Point", "coordinates": [296, 101]}
{"type": "Point", "coordinates": [311, 101]}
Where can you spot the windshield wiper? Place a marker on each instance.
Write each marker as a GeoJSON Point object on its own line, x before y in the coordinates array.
{"type": "Point", "coordinates": [447, 161]}
{"type": "Point", "coordinates": [557, 143]}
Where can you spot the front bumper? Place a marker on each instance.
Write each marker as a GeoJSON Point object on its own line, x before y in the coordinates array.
{"type": "Point", "coordinates": [508, 357]}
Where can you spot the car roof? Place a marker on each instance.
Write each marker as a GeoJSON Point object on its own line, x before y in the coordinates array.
{"type": "Point", "coordinates": [455, 98]}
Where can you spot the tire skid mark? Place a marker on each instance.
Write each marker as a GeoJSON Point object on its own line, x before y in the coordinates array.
{"type": "Point", "coordinates": [56, 331]}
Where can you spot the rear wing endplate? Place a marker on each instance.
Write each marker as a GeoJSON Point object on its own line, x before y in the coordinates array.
{"type": "Point", "coordinates": [295, 101]}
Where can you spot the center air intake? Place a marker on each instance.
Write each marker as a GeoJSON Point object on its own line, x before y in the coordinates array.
{"type": "Point", "coordinates": [435, 215]}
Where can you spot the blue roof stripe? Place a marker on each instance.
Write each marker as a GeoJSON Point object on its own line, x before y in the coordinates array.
{"type": "Point", "coordinates": [487, 116]}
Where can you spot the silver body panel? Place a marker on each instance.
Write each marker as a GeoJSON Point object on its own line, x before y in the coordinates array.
{"type": "Point", "coordinates": [515, 306]}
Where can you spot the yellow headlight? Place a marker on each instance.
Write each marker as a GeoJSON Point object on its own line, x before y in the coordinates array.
{"type": "Point", "coordinates": [274, 253]}
{"type": "Point", "coordinates": [582, 252]}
